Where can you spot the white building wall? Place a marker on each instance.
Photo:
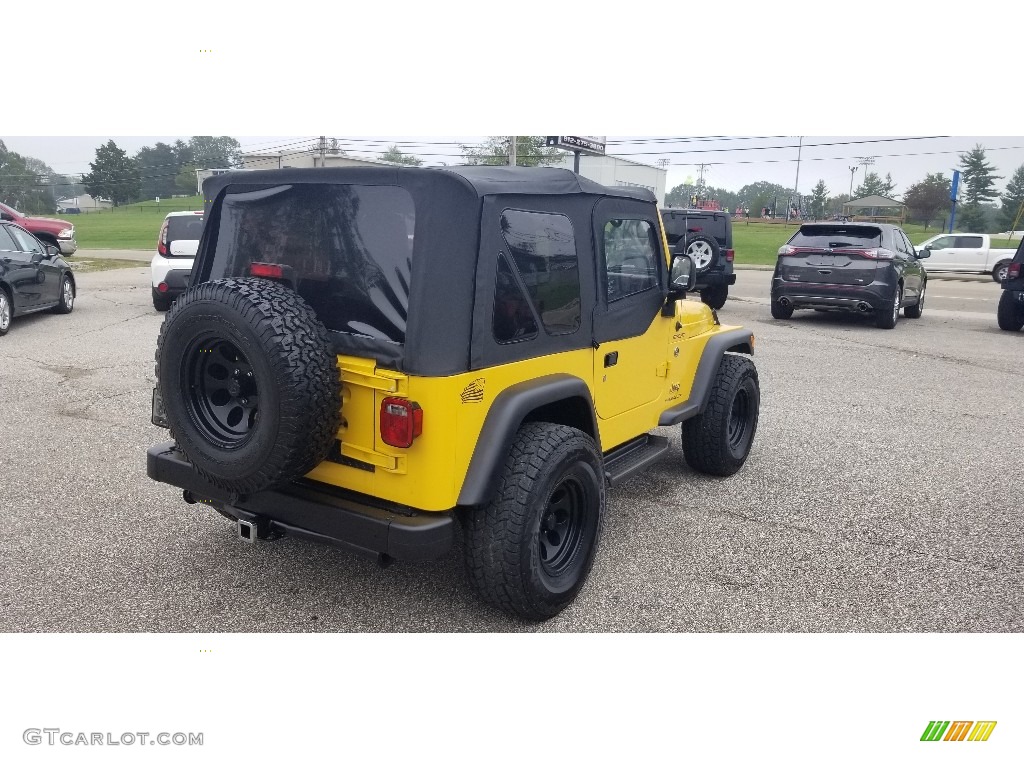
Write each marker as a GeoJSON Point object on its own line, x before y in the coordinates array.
{"type": "Point", "coordinates": [617, 171]}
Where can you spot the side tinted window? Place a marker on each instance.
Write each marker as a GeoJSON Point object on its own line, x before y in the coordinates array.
{"type": "Point", "coordinates": [543, 251]}
{"type": "Point", "coordinates": [942, 242]}
{"type": "Point", "coordinates": [968, 241]}
{"type": "Point", "coordinates": [25, 241]}
{"type": "Point", "coordinates": [630, 257]}
{"type": "Point", "coordinates": [513, 318]}
{"type": "Point", "coordinates": [6, 241]}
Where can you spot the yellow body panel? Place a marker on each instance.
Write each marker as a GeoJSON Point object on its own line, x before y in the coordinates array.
{"type": "Point", "coordinates": [654, 372]}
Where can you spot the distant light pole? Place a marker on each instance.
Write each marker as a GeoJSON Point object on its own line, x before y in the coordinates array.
{"type": "Point", "coordinates": [853, 170]}
{"type": "Point", "coordinates": [796, 184]}
{"type": "Point", "coordinates": [512, 151]}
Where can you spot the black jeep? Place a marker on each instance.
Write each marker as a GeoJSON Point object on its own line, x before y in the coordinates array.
{"type": "Point", "coordinates": [1011, 304]}
{"type": "Point", "coordinates": [706, 237]}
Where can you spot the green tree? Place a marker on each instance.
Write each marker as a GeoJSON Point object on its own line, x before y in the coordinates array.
{"type": "Point", "coordinates": [1012, 200]}
{"type": "Point", "coordinates": [874, 185]}
{"type": "Point", "coordinates": [185, 180]}
{"type": "Point", "coordinates": [213, 152]}
{"type": "Point", "coordinates": [928, 199]}
{"type": "Point", "coordinates": [394, 155]}
{"type": "Point", "coordinates": [764, 194]}
{"type": "Point", "coordinates": [977, 177]}
{"type": "Point", "coordinates": [819, 199]}
{"type": "Point", "coordinates": [22, 185]}
{"type": "Point", "coordinates": [113, 175]}
{"type": "Point", "coordinates": [530, 151]}
{"type": "Point", "coordinates": [158, 165]}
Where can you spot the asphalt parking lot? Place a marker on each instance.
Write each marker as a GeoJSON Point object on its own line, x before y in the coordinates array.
{"type": "Point", "coordinates": [883, 493]}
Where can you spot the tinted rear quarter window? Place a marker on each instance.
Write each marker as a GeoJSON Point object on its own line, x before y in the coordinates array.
{"type": "Point", "coordinates": [184, 228]}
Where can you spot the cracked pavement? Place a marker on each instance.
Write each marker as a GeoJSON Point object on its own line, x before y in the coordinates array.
{"type": "Point", "coordinates": [883, 494]}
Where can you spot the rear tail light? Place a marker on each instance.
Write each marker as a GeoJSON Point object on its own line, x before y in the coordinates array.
{"type": "Point", "coordinates": [161, 240]}
{"type": "Point", "coordinates": [401, 421]}
{"type": "Point", "coordinates": [162, 287]}
{"type": "Point", "coordinates": [878, 254]}
{"type": "Point", "coordinates": [1013, 272]}
{"type": "Point", "coordinates": [730, 254]}
{"type": "Point", "coordinates": [788, 250]}
{"type": "Point", "coordinates": [272, 271]}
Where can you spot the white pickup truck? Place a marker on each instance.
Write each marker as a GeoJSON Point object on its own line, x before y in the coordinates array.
{"type": "Point", "coordinates": [966, 253]}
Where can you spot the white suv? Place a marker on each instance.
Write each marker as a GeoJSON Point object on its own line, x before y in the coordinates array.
{"type": "Point", "coordinates": [176, 248]}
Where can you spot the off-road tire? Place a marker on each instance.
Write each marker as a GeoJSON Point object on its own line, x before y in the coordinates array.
{"type": "Point", "coordinates": [887, 315]}
{"type": "Point", "coordinates": [780, 312]}
{"type": "Point", "coordinates": [66, 302]}
{"type": "Point", "coordinates": [1001, 267]}
{"type": "Point", "coordinates": [1010, 312]}
{"type": "Point", "coordinates": [915, 311]}
{"type": "Point", "coordinates": [715, 296]}
{"type": "Point", "coordinates": [703, 250]}
{"type": "Point", "coordinates": [718, 441]}
{"type": "Point", "coordinates": [161, 303]}
{"type": "Point", "coordinates": [506, 562]}
{"type": "Point", "coordinates": [295, 384]}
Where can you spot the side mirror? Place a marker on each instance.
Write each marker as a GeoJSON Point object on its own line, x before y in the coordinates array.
{"type": "Point", "coordinates": [683, 276]}
{"type": "Point", "coordinates": [5, 216]}
{"type": "Point", "coordinates": [52, 251]}
{"type": "Point", "coordinates": [924, 253]}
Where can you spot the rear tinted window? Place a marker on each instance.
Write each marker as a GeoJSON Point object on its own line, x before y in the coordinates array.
{"type": "Point", "coordinates": [679, 223]}
{"type": "Point", "coordinates": [837, 237]}
{"type": "Point", "coordinates": [350, 246]}
{"type": "Point", "coordinates": [184, 228]}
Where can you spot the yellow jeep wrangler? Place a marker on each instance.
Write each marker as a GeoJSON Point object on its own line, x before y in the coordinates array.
{"type": "Point", "coordinates": [367, 356]}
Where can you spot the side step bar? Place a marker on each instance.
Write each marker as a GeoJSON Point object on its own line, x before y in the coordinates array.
{"type": "Point", "coordinates": [625, 461]}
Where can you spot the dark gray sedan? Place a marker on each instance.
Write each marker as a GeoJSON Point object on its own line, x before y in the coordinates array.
{"type": "Point", "coordinates": [860, 267]}
{"type": "Point", "coordinates": [33, 276]}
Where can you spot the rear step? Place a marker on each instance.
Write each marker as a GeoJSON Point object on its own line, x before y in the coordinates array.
{"type": "Point", "coordinates": [635, 456]}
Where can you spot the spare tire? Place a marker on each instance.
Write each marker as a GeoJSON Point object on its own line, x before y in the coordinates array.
{"type": "Point", "coordinates": [703, 250]}
{"type": "Point", "coordinates": [249, 383]}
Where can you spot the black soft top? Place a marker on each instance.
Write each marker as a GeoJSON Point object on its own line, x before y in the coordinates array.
{"type": "Point", "coordinates": [446, 251]}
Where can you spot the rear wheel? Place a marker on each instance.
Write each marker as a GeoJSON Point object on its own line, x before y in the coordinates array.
{"type": "Point", "coordinates": [717, 441]}
{"type": "Point", "coordinates": [715, 296]}
{"type": "Point", "coordinates": [999, 273]}
{"type": "Point", "coordinates": [780, 311]}
{"type": "Point", "coordinates": [915, 311]}
{"type": "Point", "coordinates": [887, 315]}
{"type": "Point", "coordinates": [529, 551]}
{"type": "Point", "coordinates": [1010, 313]}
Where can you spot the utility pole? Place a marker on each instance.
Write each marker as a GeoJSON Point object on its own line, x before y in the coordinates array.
{"type": "Point", "coordinates": [512, 151]}
{"type": "Point", "coordinates": [867, 161]}
{"type": "Point", "coordinates": [796, 185]}
{"type": "Point", "coordinates": [853, 170]}
{"type": "Point", "coordinates": [323, 150]}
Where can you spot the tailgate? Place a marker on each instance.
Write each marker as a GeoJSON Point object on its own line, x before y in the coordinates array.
{"type": "Point", "coordinates": [833, 267]}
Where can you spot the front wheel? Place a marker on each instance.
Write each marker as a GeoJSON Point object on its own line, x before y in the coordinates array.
{"type": "Point", "coordinates": [717, 441]}
{"type": "Point", "coordinates": [999, 273]}
{"type": "Point", "coordinates": [529, 551]}
{"type": "Point", "coordinates": [1010, 313]}
{"type": "Point", "coordinates": [915, 311]}
{"type": "Point", "coordinates": [66, 303]}
{"type": "Point", "coordinates": [715, 296]}
{"type": "Point", "coordinates": [6, 312]}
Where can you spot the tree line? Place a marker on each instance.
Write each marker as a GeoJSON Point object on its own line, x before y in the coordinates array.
{"type": "Point", "coordinates": [927, 200]}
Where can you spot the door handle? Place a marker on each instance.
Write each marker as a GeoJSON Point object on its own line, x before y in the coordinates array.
{"type": "Point", "coordinates": [611, 359]}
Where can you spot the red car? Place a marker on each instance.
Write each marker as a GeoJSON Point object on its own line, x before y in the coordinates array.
{"type": "Point", "coordinates": [51, 231]}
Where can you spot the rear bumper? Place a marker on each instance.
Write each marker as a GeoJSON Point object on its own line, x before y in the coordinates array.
{"type": "Point", "coordinates": [712, 279]}
{"type": "Point", "coordinates": [176, 281]}
{"type": "Point", "coordinates": [307, 511]}
{"type": "Point", "coordinates": [831, 296]}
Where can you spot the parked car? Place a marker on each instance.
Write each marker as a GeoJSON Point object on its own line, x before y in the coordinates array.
{"type": "Point", "coordinates": [706, 237]}
{"type": "Point", "coordinates": [867, 268]}
{"type": "Point", "coordinates": [56, 232]}
{"type": "Point", "coordinates": [33, 276]}
{"type": "Point", "coordinates": [1010, 313]}
{"type": "Point", "coordinates": [175, 251]}
{"type": "Point", "coordinates": [324, 376]}
{"type": "Point", "coordinates": [969, 253]}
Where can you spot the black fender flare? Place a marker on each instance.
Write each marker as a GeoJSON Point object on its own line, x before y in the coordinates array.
{"type": "Point", "coordinates": [739, 340]}
{"type": "Point", "coordinates": [502, 422]}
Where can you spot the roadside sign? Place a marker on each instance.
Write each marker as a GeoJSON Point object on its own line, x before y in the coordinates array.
{"type": "Point", "coordinates": [589, 145]}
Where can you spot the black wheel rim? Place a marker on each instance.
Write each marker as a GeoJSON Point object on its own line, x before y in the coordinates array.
{"type": "Point", "coordinates": [562, 527]}
{"type": "Point", "coordinates": [223, 398]}
{"type": "Point", "coordinates": [739, 418]}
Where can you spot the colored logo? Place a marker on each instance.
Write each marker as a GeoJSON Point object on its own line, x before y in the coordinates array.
{"type": "Point", "coordinates": [958, 730]}
{"type": "Point", "coordinates": [474, 391]}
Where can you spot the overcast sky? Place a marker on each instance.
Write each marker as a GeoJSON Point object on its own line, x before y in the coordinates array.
{"type": "Point", "coordinates": [730, 162]}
